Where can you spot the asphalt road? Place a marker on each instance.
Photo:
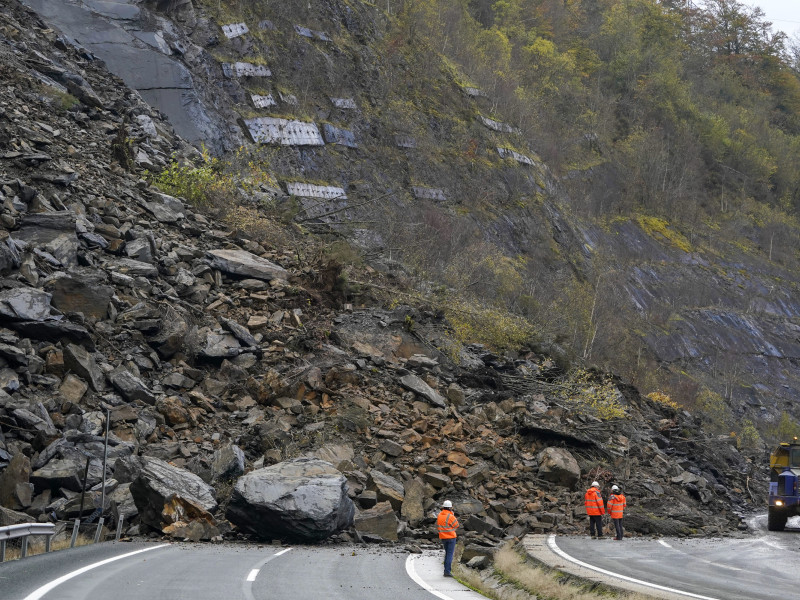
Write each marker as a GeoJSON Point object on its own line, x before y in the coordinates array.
{"type": "Point", "coordinates": [141, 571]}
{"type": "Point", "coordinates": [764, 566]}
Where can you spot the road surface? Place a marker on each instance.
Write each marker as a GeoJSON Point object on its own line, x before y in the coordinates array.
{"type": "Point", "coordinates": [142, 571]}
{"type": "Point", "coordinates": [758, 567]}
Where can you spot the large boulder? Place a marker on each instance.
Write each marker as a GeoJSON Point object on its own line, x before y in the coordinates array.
{"type": "Point", "coordinates": [304, 499]}
{"type": "Point", "coordinates": [157, 484]}
{"type": "Point", "coordinates": [559, 466]}
{"type": "Point", "coordinates": [245, 264]}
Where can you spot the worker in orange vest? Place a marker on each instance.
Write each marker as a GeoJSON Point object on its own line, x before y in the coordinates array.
{"type": "Point", "coordinates": [447, 524]}
{"type": "Point", "coordinates": [616, 508]}
{"type": "Point", "coordinates": [595, 508]}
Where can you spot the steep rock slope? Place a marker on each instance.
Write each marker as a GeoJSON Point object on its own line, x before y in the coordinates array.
{"type": "Point", "coordinates": [357, 117]}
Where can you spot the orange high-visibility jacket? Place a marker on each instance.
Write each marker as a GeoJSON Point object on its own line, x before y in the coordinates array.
{"type": "Point", "coordinates": [447, 524]}
{"type": "Point", "coordinates": [594, 502]}
{"type": "Point", "coordinates": [616, 505]}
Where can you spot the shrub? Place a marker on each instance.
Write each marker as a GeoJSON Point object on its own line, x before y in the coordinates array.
{"type": "Point", "coordinates": [594, 395]}
{"type": "Point", "coordinates": [204, 186]}
{"type": "Point", "coordinates": [492, 326]}
{"type": "Point", "coordinates": [662, 398]}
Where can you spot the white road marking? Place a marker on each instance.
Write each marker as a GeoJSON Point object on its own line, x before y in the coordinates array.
{"type": "Point", "coordinates": [551, 542]}
{"type": "Point", "coordinates": [663, 543]}
{"type": "Point", "coordinates": [412, 572]}
{"type": "Point", "coordinates": [247, 585]}
{"type": "Point", "coordinates": [39, 593]}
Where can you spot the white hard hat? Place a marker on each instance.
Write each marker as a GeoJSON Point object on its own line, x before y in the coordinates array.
{"type": "Point", "coordinates": [595, 484]}
{"type": "Point", "coordinates": [447, 504]}
{"type": "Point", "coordinates": [614, 488]}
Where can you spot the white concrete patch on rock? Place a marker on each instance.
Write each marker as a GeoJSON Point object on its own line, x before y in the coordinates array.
{"type": "Point", "coordinates": [497, 125]}
{"type": "Point", "coordinates": [405, 141]}
{"type": "Point", "coordinates": [509, 153]}
{"type": "Point", "coordinates": [473, 92]}
{"type": "Point", "coordinates": [424, 193]}
{"type": "Point", "coordinates": [235, 30]}
{"type": "Point", "coordinates": [270, 130]}
{"type": "Point", "coordinates": [344, 103]}
{"type": "Point", "coordinates": [307, 190]}
{"type": "Point", "coordinates": [263, 101]}
{"type": "Point", "coordinates": [245, 69]}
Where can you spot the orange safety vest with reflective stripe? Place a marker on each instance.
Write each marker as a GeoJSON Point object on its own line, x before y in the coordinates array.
{"type": "Point", "coordinates": [616, 505]}
{"type": "Point", "coordinates": [594, 502]}
{"type": "Point", "coordinates": [447, 524]}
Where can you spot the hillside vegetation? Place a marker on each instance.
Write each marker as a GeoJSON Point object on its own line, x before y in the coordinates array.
{"type": "Point", "coordinates": [654, 232]}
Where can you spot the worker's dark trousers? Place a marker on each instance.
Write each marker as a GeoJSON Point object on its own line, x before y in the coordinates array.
{"type": "Point", "coordinates": [596, 525]}
{"type": "Point", "coordinates": [449, 551]}
{"type": "Point", "coordinates": [618, 527]}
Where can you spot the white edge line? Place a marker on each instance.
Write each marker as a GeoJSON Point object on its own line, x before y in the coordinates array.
{"type": "Point", "coordinates": [253, 574]}
{"type": "Point", "coordinates": [412, 572]}
{"type": "Point", "coordinates": [665, 544]}
{"type": "Point", "coordinates": [551, 542]}
{"type": "Point", "coordinates": [37, 594]}
{"type": "Point", "coordinates": [282, 552]}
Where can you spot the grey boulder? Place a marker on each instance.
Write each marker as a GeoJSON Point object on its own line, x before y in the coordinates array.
{"type": "Point", "coordinates": [246, 264]}
{"type": "Point", "coordinates": [303, 499]}
{"type": "Point", "coordinates": [158, 483]}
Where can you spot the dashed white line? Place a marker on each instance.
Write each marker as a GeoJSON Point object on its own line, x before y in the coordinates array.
{"type": "Point", "coordinates": [253, 574]}
{"type": "Point", "coordinates": [551, 542]}
{"type": "Point", "coordinates": [39, 593]}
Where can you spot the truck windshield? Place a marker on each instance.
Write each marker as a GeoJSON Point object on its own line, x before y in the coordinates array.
{"type": "Point", "coordinates": [794, 458]}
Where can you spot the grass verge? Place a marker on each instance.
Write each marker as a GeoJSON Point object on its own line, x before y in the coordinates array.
{"type": "Point", "coordinates": [515, 577]}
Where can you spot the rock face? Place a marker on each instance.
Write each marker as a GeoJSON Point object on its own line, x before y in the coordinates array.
{"type": "Point", "coordinates": [157, 484]}
{"type": "Point", "coordinates": [378, 523]}
{"type": "Point", "coordinates": [559, 466]}
{"type": "Point", "coordinates": [301, 499]}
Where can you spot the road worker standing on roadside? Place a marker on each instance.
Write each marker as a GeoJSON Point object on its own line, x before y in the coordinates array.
{"type": "Point", "coordinates": [595, 508]}
{"type": "Point", "coordinates": [616, 508]}
{"type": "Point", "coordinates": [447, 524]}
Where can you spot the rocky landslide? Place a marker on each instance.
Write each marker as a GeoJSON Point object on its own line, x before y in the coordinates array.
{"type": "Point", "coordinates": [230, 379]}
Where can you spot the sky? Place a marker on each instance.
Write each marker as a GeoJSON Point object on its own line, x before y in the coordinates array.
{"type": "Point", "coordinates": [784, 14]}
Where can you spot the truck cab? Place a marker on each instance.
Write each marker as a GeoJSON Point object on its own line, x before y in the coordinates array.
{"type": "Point", "coordinates": [784, 485]}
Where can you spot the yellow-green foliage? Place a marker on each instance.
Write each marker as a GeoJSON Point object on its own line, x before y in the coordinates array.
{"type": "Point", "coordinates": [662, 398]}
{"type": "Point", "coordinates": [787, 429]}
{"type": "Point", "coordinates": [63, 101]}
{"type": "Point", "coordinates": [203, 186]}
{"type": "Point", "coordinates": [713, 409]}
{"type": "Point", "coordinates": [658, 228]}
{"type": "Point", "coordinates": [595, 395]}
{"type": "Point", "coordinates": [495, 327]}
{"type": "Point", "coordinates": [748, 437]}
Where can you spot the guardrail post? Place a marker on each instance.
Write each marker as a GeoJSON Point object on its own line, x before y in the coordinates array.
{"type": "Point", "coordinates": [47, 540]}
{"type": "Point", "coordinates": [2, 550]}
{"type": "Point", "coordinates": [75, 528]}
{"type": "Point", "coordinates": [99, 529]}
{"type": "Point", "coordinates": [119, 527]}
{"type": "Point", "coordinates": [24, 552]}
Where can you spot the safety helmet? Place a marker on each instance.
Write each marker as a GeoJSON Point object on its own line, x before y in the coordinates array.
{"type": "Point", "coordinates": [595, 484]}
{"type": "Point", "coordinates": [614, 488]}
{"type": "Point", "coordinates": [447, 504]}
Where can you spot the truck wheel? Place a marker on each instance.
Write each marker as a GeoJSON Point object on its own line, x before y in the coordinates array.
{"type": "Point", "coordinates": [776, 519]}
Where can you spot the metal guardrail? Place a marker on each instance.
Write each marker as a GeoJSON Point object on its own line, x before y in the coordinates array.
{"type": "Point", "coordinates": [24, 531]}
